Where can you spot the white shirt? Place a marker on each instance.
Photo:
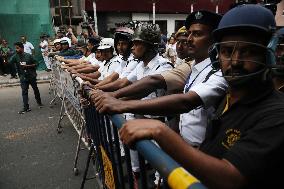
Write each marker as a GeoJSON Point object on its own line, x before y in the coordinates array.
{"type": "Point", "coordinates": [126, 67]}
{"type": "Point", "coordinates": [108, 67]}
{"type": "Point", "coordinates": [193, 124]}
{"type": "Point", "coordinates": [28, 47]}
{"type": "Point", "coordinates": [42, 44]}
{"type": "Point", "coordinates": [156, 66]}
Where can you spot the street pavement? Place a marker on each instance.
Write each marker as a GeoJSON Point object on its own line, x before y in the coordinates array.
{"type": "Point", "coordinates": [6, 81]}
{"type": "Point", "coordinates": [32, 154]}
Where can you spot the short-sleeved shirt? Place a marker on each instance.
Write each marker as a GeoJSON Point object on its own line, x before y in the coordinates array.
{"type": "Point", "coordinates": [25, 58]}
{"type": "Point", "coordinates": [126, 66]}
{"type": "Point", "coordinates": [157, 65]}
{"type": "Point", "coordinates": [108, 67]}
{"type": "Point", "coordinates": [210, 87]}
{"type": "Point", "coordinates": [42, 44]}
{"type": "Point", "coordinates": [28, 47]}
{"type": "Point", "coordinates": [175, 79]}
{"type": "Point", "coordinates": [250, 135]}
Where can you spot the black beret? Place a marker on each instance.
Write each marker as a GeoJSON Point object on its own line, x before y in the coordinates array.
{"type": "Point", "coordinates": [203, 17]}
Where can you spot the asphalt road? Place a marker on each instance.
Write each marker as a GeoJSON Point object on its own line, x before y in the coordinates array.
{"type": "Point", "coordinates": [32, 154]}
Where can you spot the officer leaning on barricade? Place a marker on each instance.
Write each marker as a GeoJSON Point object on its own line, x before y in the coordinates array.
{"type": "Point", "coordinates": [26, 68]}
{"type": "Point", "coordinates": [66, 49]}
{"type": "Point", "coordinates": [278, 72]}
{"type": "Point", "coordinates": [111, 61]}
{"type": "Point", "coordinates": [106, 60]}
{"type": "Point", "coordinates": [122, 45]}
{"type": "Point", "coordinates": [244, 141]}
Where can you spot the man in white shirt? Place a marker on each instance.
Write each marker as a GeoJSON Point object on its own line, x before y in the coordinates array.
{"type": "Point", "coordinates": [28, 47]}
{"type": "Point", "coordinates": [43, 45]}
{"type": "Point", "coordinates": [111, 62]}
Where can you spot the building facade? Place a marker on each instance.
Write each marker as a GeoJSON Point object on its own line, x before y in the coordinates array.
{"type": "Point", "coordinates": [170, 15]}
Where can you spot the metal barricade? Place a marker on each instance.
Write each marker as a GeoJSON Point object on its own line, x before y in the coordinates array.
{"type": "Point", "coordinates": [99, 133]}
{"type": "Point", "coordinates": [115, 171]}
{"type": "Point", "coordinates": [55, 86]}
{"type": "Point", "coordinates": [65, 88]}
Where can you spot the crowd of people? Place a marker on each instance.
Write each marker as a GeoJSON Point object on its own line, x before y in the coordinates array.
{"type": "Point", "coordinates": [215, 94]}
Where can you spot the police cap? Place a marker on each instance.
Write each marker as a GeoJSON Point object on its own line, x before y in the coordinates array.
{"type": "Point", "coordinates": [203, 17]}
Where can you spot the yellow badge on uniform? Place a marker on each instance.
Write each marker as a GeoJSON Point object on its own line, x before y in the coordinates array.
{"type": "Point", "coordinates": [232, 136]}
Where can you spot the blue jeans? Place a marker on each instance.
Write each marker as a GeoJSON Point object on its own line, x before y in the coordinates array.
{"type": "Point", "coordinates": [25, 92]}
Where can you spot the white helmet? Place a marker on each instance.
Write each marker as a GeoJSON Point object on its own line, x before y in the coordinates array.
{"type": "Point", "coordinates": [56, 41]}
{"type": "Point", "coordinates": [66, 39]}
{"type": "Point", "coordinates": [106, 43]}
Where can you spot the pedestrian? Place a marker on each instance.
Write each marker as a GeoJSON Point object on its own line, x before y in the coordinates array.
{"type": "Point", "coordinates": [26, 68]}
{"type": "Point", "coordinates": [28, 46]}
{"type": "Point", "coordinates": [6, 52]}
{"type": "Point", "coordinates": [43, 45]}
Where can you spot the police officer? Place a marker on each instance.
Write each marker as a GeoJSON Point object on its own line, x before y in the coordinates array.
{"type": "Point", "coordinates": [26, 68]}
{"type": "Point", "coordinates": [122, 44]}
{"type": "Point", "coordinates": [66, 49]}
{"type": "Point", "coordinates": [244, 145]}
{"type": "Point", "coordinates": [111, 62]}
{"type": "Point", "coordinates": [182, 48]}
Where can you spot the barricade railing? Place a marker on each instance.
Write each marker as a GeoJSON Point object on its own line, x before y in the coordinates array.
{"type": "Point", "coordinates": [111, 159]}
{"type": "Point", "coordinates": [64, 87]}
{"type": "Point", "coordinates": [103, 131]}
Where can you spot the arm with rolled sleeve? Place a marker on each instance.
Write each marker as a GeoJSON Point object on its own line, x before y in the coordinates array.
{"type": "Point", "coordinates": [175, 79]}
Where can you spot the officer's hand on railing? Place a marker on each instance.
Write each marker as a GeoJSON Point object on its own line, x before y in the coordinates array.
{"type": "Point", "coordinates": [69, 69]}
{"type": "Point", "coordinates": [73, 71]}
{"type": "Point", "coordinates": [106, 103]}
{"type": "Point", "coordinates": [59, 58]}
{"type": "Point", "coordinates": [138, 129]}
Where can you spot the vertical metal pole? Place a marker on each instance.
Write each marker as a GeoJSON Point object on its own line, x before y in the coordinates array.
{"type": "Point", "coordinates": [95, 16]}
{"type": "Point", "coordinates": [60, 11]}
{"type": "Point", "coordinates": [217, 8]}
{"type": "Point", "coordinates": [191, 8]}
{"type": "Point", "coordinates": [154, 12]}
{"type": "Point", "coordinates": [69, 11]}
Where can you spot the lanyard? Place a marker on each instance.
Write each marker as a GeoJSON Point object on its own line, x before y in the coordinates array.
{"type": "Point", "coordinates": [188, 86]}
